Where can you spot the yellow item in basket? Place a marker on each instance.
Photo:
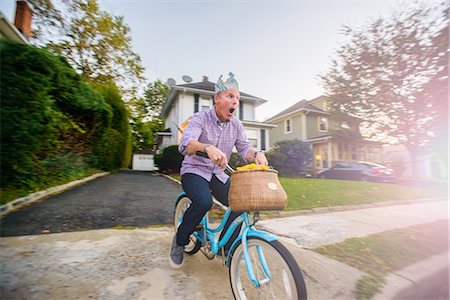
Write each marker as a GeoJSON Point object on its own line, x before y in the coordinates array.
{"type": "Point", "coordinates": [252, 166]}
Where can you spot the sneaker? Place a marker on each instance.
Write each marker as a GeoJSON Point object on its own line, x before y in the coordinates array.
{"type": "Point", "coordinates": [176, 256]}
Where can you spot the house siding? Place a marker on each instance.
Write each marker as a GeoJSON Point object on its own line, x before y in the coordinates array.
{"type": "Point", "coordinates": [312, 126]}
{"type": "Point", "coordinates": [277, 134]}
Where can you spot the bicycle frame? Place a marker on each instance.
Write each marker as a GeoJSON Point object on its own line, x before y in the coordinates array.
{"type": "Point", "coordinates": [247, 232]}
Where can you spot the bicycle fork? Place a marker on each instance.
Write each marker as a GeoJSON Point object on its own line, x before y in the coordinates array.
{"type": "Point", "coordinates": [248, 263]}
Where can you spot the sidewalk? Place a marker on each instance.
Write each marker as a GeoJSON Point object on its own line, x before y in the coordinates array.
{"type": "Point", "coordinates": [311, 231]}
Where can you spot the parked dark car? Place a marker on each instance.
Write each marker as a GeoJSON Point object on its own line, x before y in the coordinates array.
{"type": "Point", "coordinates": [362, 171]}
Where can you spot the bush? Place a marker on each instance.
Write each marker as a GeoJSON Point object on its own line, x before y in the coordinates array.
{"type": "Point", "coordinates": [55, 127]}
{"type": "Point", "coordinates": [236, 161]}
{"type": "Point", "coordinates": [170, 159]}
{"type": "Point", "coordinates": [290, 158]}
{"type": "Point", "coordinates": [112, 150]}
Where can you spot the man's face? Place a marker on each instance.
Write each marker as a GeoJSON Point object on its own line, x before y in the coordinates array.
{"type": "Point", "coordinates": [224, 102]}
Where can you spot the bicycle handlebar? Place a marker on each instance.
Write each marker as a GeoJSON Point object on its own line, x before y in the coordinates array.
{"type": "Point", "coordinates": [205, 155]}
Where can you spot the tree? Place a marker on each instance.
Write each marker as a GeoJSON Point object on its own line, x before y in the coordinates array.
{"type": "Point", "coordinates": [393, 75]}
{"type": "Point", "coordinates": [146, 121]}
{"type": "Point", "coordinates": [96, 44]}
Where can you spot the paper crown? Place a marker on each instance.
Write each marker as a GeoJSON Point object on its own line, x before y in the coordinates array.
{"type": "Point", "coordinates": [231, 83]}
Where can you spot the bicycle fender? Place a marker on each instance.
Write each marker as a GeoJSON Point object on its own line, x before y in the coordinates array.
{"type": "Point", "coordinates": [181, 195]}
{"type": "Point", "coordinates": [256, 233]}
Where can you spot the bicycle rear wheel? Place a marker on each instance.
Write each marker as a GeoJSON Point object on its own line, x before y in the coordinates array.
{"type": "Point", "coordinates": [182, 205]}
{"type": "Point", "coordinates": [285, 280]}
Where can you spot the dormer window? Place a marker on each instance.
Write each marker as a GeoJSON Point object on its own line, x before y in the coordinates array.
{"type": "Point", "coordinates": [323, 124]}
{"type": "Point", "coordinates": [288, 126]}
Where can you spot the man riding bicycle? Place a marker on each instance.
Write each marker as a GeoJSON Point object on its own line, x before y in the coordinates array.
{"type": "Point", "coordinates": [216, 132]}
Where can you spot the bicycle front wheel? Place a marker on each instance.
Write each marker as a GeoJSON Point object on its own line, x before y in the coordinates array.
{"type": "Point", "coordinates": [182, 205]}
{"type": "Point", "coordinates": [281, 278]}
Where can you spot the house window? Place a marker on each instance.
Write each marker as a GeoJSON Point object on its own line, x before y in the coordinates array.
{"type": "Point", "coordinates": [263, 139]}
{"type": "Point", "coordinates": [287, 126]}
{"type": "Point", "coordinates": [241, 110]}
{"type": "Point", "coordinates": [323, 124]}
{"type": "Point", "coordinates": [196, 101]}
{"type": "Point", "coordinates": [252, 136]}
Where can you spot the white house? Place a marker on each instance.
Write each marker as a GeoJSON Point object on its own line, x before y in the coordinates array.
{"type": "Point", "coordinates": [186, 99]}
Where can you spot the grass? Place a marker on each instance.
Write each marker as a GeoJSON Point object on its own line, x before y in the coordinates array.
{"type": "Point", "coordinates": [8, 194]}
{"type": "Point", "coordinates": [383, 253]}
{"type": "Point", "coordinates": [306, 193]}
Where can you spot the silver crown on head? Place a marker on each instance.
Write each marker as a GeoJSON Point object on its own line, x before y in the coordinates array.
{"type": "Point", "coordinates": [231, 83]}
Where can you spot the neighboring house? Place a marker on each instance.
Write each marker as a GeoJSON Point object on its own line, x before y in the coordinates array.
{"type": "Point", "coordinates": [186, 99]}
{"type": "Point", "coordinates": [20, 31]}
{"type": "Point", "coordinates": [330, 141]}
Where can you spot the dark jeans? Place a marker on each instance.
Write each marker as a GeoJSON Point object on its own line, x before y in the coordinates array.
{"type": "Point", "coordinates": [199, 191]}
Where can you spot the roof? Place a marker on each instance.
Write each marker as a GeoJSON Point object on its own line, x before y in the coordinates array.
{"type": "Point", "coordinates": [302, 105]}
{"type": "Point", "coordinates": [205, 87]}
{"type": "Point", "coordinates": [10, 32]}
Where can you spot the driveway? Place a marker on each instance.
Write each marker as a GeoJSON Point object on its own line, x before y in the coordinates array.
{"type": "Point", "coordinates": [127, 198]}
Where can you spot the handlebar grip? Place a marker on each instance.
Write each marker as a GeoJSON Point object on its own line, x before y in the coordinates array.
{"type": "Point", "coordinates": [202, 154]}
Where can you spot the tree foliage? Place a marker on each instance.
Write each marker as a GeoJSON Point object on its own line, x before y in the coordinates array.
{"type": "Point", "coordinates": [54, 126]}
{"type": "Point", "coordinates": [290, 157]}
{"type": "Point", "coordinates": [146, 121]}
{"type": "Point", "coordinates": [96, 43]}
{"type": "Point", "coordinates": [113, 149]}
{"type": "Point", "coordinates": [49, 117]}
{"type": "Point", "coordinates": [393, 74]}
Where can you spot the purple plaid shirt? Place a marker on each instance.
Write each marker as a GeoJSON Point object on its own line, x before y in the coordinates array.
{"type": "Point", "coordinates": [206, 128]}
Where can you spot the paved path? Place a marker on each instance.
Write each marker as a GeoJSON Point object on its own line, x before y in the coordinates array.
{"type": "Point", "coordinates": [311, 231]}
{"type": "Point", "coordinates": [133, 264]}
{"type": "Point", "coordinates": [127, 198]}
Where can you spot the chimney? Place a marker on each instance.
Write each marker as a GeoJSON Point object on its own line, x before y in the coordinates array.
{"type": "Point", "coordinates": [22, 21]}
{"type": "Point", "coordinates": [205, 78]}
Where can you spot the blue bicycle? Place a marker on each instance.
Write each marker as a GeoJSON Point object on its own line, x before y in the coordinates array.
{"type": "Point", "coordinates": [260, 267]}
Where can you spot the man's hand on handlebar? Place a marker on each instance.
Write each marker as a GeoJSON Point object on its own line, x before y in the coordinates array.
{"type": "Point", "coordinates": [216, 156]}
{"type": "Point", "coordinates": [260, 159]}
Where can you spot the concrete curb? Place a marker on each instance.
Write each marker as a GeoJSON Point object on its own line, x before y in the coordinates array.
{"type": "Point", "coordinates": [20, 202]}
{"type": "Point", "coordinates": [322, 210]}
{"type": "Point", "coordinates": [411, 275]}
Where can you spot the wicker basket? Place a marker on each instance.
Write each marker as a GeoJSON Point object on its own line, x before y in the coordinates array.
{"type": "Point", "coordinates": [256, 190]}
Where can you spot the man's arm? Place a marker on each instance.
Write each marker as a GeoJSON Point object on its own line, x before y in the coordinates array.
{"type": "Point", "coordinates": [215, 155]}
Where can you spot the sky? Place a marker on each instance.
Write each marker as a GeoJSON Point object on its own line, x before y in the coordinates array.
{"type": "Point", "coordinates": [276, 49]}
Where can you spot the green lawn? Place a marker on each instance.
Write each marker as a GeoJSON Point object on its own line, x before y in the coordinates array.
{"type": "Point", "coordinates": [387, 252]}
{"type": "Point", "coordinates": [305, 193]}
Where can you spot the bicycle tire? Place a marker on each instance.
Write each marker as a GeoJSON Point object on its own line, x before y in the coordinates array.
{"type": "Point", "coordinates": [181, 207]}
{"type": "Point", "coordinates": [286, 277]}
